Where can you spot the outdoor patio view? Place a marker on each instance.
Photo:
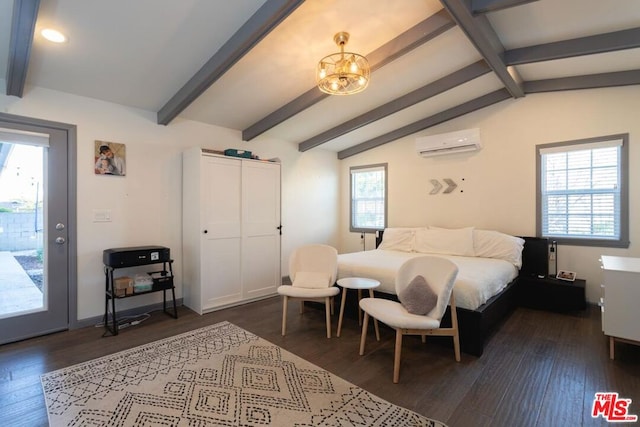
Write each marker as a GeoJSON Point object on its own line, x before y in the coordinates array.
{"type": "Point", "coordinates": [22, 284]}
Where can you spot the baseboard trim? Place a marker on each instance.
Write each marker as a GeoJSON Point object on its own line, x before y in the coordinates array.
{"type": "Point", "coordinates": [92, 321]}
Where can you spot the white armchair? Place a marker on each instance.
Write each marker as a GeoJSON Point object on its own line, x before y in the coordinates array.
{"type": "Point", "coordinates": [423, 303]}
{"type": "Point", "coordinates": [313, 270]}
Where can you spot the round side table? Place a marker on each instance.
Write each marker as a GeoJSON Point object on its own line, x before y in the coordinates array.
{"type": "Point", "coordinates": [359, 283]}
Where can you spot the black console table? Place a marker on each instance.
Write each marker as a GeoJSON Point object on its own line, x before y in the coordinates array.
{"type": "Point", "coordinates": [549, 293]}
{"type": "Point", "coordinates": [134, 257]}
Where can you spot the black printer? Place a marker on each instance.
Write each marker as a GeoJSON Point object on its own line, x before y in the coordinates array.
{"type": "Point", "coordinates": [134, 256]}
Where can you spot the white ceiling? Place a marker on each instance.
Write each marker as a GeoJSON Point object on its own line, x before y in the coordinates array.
{"type": "Point", "coordinates": [141, 53]}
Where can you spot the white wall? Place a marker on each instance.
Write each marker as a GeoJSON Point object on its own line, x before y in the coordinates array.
{"type": "Point", "coordinates": [146, 203]}
{"type": "Point", "coordinates": [497, 185]}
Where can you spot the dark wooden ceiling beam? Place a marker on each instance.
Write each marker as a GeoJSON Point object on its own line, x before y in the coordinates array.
{"type": "Point", "coordinates": [448, 82]}
{"type": "Point", "coordinates": [601, 43]}
{"type": "Point", "coordinates": [25, 13]}
{"type": "Point", "coordinates": [441, 117]}
{"type": "Point", "coordinates": [404, 43]}
{"type": "Point", "coordinates": [261, 23]}
{"type": "Point", "coordinates": [625, 39]}
{"type": "Point", "coordinates": [483, 37]}
{"type": "Point", "coordinates": [486, 6]}
{"type": "Point", "coordinates": [592, 81]}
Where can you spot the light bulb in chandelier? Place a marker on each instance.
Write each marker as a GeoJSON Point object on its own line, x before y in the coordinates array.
{"type": "Point", "coordinates": [322, 72]}
{"type": "Point", "coordinates": [343, 73]}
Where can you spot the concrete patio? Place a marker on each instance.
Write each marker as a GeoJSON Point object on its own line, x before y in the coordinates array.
{"type": "Point", "coordinates": [18, 293]}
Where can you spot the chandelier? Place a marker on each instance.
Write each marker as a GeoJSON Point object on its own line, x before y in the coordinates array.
{"type": "Point", "coordinates": [343, 73]}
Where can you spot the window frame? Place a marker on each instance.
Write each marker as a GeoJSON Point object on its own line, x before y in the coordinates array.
{"type": "Point", "coordinates": [623, 240]}
{"type": "Point", "coordinates": [355, 169]}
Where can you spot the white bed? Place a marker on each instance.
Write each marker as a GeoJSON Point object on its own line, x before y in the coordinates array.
{"type": "Point", "coordinates": [478, 278]}
{"type": "Point", "coordinates": [486, 285]}
{"type": "Point", "coordinates": [487, 260]}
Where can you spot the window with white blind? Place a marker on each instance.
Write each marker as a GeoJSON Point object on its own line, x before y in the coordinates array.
{"type": "Point", "coordinates": [368, 198]}
{"type": "Point", "coordinates": [583, 191]}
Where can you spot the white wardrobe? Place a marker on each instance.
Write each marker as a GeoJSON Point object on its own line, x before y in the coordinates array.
{"type": "Point", "coordinates": [230, 230]}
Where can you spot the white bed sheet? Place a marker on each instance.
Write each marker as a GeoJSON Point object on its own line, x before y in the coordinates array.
{"type": "Point", "coordinates": [478, 278]}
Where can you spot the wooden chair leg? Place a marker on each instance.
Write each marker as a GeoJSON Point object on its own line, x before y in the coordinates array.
{"type": "Point", "coordinates": [341, 315]}
{"type": "Point", "coordinates": [363, 337]}
{"type": "Point", "coordinates": [454, 326]}
{"type": "Point", "coordinates": [424, 338]}
{"type": "Point", "coordinates": [456, 346]}
{"type": "Point", "coordinates": [327, 310]}
{"type": "Point", "coordinates": [284, 314]}
{"type": "Point", "coordinates": [396, 357]}
{"type": "Point", "coordinates": [375, 321]}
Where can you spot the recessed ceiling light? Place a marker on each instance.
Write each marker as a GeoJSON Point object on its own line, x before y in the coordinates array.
{"type": "Point", "coordinates": [54, 36]}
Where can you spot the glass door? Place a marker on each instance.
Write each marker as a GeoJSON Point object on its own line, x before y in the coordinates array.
{"type": "Point", "coordinates": [21, 229]}
{"type": "Point", "coordinates": [34, 221]}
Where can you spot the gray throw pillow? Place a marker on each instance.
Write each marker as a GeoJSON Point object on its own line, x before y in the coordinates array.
{"type": "Point", "coordinates": [418, 297]}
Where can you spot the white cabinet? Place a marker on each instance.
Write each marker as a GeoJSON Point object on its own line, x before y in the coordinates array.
{"type": "Point", "coordinates": [231, 234]}
{"type": "Point", "coordinates": [620, 300]}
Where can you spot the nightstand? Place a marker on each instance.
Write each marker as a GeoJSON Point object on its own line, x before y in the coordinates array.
{"type": "Point", "coordinates": [549, 293]}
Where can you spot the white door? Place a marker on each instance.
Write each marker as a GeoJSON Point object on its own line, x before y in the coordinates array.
{"type": "Point", "coordinates": [221, 237]}
{"type": "Point", "coordinates": [37, 282]}
{"type": "Point", "coordinates": [261, 228]}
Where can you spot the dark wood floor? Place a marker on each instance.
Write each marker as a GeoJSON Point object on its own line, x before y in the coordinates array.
{"type": "Point", "coordinates": [538, 369]}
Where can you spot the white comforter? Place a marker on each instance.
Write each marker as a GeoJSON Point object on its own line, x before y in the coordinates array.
{"type": "Point", "coordinates": [478, 278]}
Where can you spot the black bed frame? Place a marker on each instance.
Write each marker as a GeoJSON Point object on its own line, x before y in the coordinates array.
{"type": "Point", "coordinates": [476, 326]}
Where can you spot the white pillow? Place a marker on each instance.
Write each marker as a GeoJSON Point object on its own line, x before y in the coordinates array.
{"type": "Point", "coordinates": [493, 244]}
{"type": "Point", "coordinates": [445, 241]}
{"type": "Point", "coordinates": [398, 239]}
{"type": "Point", "coordinates": [311, 280]}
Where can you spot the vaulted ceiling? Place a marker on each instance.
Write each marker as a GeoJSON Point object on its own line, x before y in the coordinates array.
{"type": "Point", "coordinates": [249, 64]}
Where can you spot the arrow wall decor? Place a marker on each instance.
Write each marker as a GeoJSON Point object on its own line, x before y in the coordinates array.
{"type": "Point", "coordinates": [437, 186]}
{"type": "Point", "coordinates": [451, 185]}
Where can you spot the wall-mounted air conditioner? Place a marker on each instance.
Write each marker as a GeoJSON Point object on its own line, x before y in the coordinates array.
{"type": "Point", "coordinates": [449, 143]}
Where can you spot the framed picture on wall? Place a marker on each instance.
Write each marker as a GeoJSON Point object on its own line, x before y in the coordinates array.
{"type": "Point", "coordinates": [109, 158]}
{"type": "Point", "coordinates": [566, 275]}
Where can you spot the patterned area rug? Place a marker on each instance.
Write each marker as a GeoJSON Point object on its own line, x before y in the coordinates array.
{"type": "Point", "coordinates": [220, 375]}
